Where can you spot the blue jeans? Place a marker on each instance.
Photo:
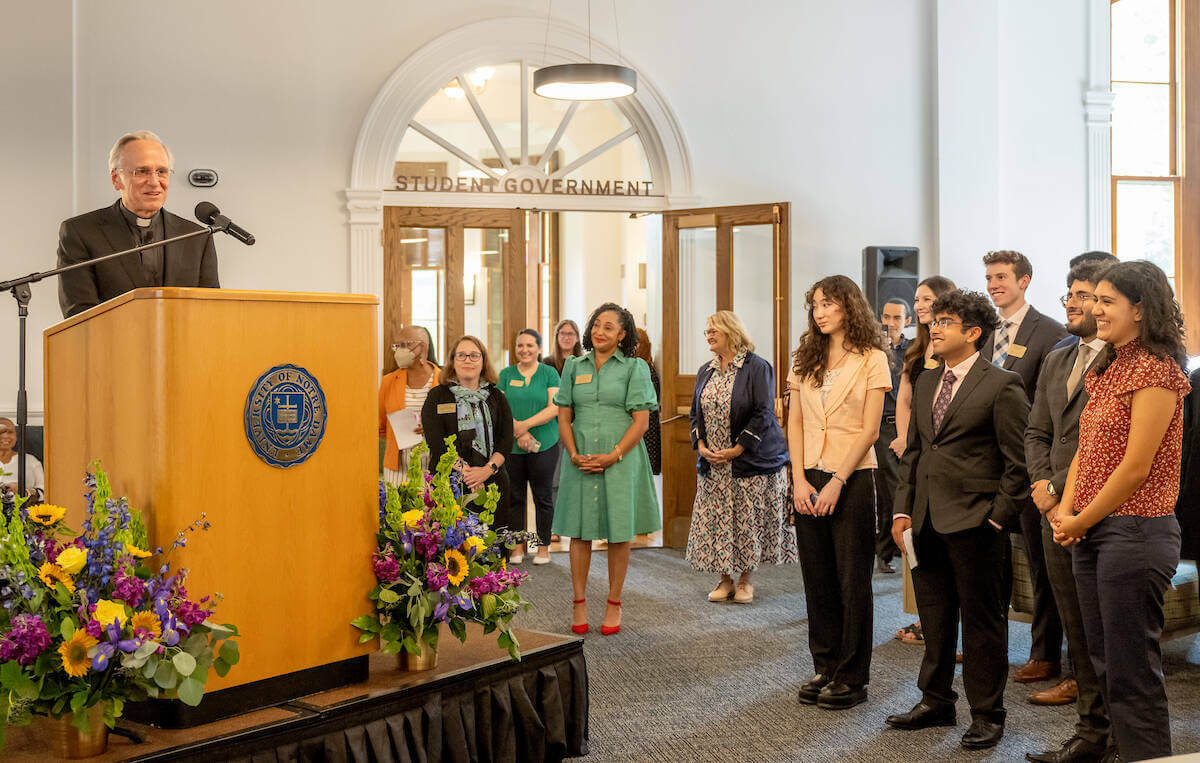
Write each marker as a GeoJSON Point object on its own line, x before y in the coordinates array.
{"type": "Point", "coordinates": [1122, 569]}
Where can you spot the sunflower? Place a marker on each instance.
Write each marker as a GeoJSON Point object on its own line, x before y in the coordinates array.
{"type": "Point", "coordinates": [52, 575]}
{"type": "Point", "coordinates": [456, 567]}
{"type": "Point", "coordinates": [147, 621]}
{"type": "Point", "coordinates": [46, 513]}
{"type": "Point", "coordinates": [75, 653]}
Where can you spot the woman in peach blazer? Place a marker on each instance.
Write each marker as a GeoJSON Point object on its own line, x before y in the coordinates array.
{"type": "Point", "coordinates": [406, 387]}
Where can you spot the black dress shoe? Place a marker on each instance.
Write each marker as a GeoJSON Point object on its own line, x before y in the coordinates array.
{"type": "Point", "coordinates": [1074, 750]}
{"type": "Point", "coordinates": [982, 735]}
{"type": "Point", "coordinates": [810, 690]}
{"type": "Point", "coordinates": [839, 696]}
{"type": "Point", "coordinates": [923, 716]}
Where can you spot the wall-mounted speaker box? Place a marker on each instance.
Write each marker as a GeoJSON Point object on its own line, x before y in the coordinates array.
{"type": "Point", "coordinates": [889, 271]}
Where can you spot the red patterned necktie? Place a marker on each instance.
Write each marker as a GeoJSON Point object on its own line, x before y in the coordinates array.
{"type": "Point", "coordinates": [943, 399]}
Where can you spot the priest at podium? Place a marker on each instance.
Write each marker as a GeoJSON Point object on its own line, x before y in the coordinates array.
{"type": "Point", "coordinates": [140, 167]}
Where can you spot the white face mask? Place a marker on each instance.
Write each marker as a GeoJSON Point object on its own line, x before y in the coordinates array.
{"type": "Point", "coordinates": [404, 357]}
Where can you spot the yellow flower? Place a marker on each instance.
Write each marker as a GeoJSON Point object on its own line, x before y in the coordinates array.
{"type": "Point", "coordinates": [107, 611]}
{"type": "Point", "coordinates": [46, 513]}
{"type": "Point", "coordinates": [412, 517]}
{"type": "Point", "coordinates": [147, 621]}
{"type": "Point", "coordinates": [75, 653]}
{"type": "Point", "coordinates": [456, 567]}
{"type": "Point", "coordinates": [136, 552]}
{"type": "Point", "coordinates": [458, 515]}
{"type": "Point", "coordinates": [72, 559]}
{"type": "Point", "coordinates": [472, 542]}
{"type": "Point", "coordinates": [503, 564]}
{"type": "Point", "coordinates": [52, 574]}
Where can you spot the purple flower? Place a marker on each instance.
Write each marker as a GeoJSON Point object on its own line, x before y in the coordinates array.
{"type": "Point", "coordinates": [106, 649]}
{"type": "Point", "coordinates": [382, 501]}
{"type": "Point", "coordinates": [129, 589]}
{"type": "Point", "coordinates": [191, 613]}
{"type": "Point", "coordinates": [94, 628]}
{"type": "Point", "coordinates": [27, 639]}
{"type": "Point", "coordinates": [442, 609]}
{"type": "Point", "coordinates": [435, 576]}
{"type": "Point", "coordinates": [427, 544]}
{"type": "Point", "coordinates": [387, 569]}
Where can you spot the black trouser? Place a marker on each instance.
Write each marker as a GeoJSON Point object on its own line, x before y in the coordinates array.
{"type": "Point", "coordinates": [1093, 716]}
{"type": "Point", "coordinates": [1122, 569]}
{"type": "Point", "coordinates": [537, 470]}
{"type": "Point", "coordinates": [886, 477]}
{"type": "Point", "coordinates": [836, 559]}
{"type": "Point", "coordinates": [962, 573]}
{"type": "Point", "coordinates": [1046, 630]}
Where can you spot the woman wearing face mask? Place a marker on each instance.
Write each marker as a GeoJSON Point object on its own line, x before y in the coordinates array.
{"type": "Point", "coordinates": [1119, 501]}
{"type": "Point", "coordinates": [530, 387]}
{"type": "Point", "coordinates": [404, 389]}
{"type": "Point", "coordinates": [607, 493]}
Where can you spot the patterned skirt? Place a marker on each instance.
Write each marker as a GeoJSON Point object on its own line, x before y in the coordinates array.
{"type": "Point", "coordinates": [740, 524]}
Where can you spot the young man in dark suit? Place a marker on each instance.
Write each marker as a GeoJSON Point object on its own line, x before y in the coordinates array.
{"type": "Point", "coordinates": [140, 168]}
{"type": "Point", "coordinates": [895, 315]}
{"type": "Point", "coordinates": [1021, 343]}
{"type": "Point", "coordinates": [962, 481]}
{"type": "Point", "coordinates": [1051, 440]}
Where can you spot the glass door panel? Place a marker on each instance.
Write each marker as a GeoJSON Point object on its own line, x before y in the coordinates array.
{"type": "Point", "coordinates": [427, 299]}
{"type": "Point", "coordinates": [483, 289]}
{"type": "Point", "coordinates": [697, 293]}
{"type": "Point", "coordinates": [754, 261]}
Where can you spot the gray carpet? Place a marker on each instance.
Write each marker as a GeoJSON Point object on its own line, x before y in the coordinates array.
{"type": "Point", "coordinates": [689, 680]}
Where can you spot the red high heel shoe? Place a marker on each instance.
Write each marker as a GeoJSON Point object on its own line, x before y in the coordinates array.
{"type": "Point", "coordinates": [580, 629]}
{"type": "Point", "coordinates": [611, 631]}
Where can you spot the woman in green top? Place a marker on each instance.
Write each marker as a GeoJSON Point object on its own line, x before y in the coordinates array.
{"type": "Point", "coordinates": [529, 386]}
{"type": "Point", "coordinates": [605, 489]}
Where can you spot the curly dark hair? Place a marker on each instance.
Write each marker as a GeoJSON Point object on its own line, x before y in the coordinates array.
{"type": "Point", "coordinates": [972, 308]}
{"type": "Point", "coordinates": [915, 353]}
{"type": "Point", "coordinates": [628, 345]}
{"type": "Point", "coordinates": [862, 331]}
{"type": "Point", "coordinates": [1161, 329]}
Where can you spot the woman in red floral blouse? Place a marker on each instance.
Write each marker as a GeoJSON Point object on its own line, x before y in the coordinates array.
{"type": "Point", "coordinates": [1119, 501]}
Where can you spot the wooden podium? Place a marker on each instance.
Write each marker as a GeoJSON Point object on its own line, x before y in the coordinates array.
{"type": "Point", "coordinates": [154, 383]}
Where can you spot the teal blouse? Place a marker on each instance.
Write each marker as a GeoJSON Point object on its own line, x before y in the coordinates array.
{"type": "Point", "coordinates": [528, 396]}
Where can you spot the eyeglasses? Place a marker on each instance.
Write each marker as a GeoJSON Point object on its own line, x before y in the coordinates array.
{"type": "Point", "coordinates": [144, 173]}
{"type": "Point", "coordinates": [567, 332]}
{"type": "Point", "coordinates": [407, 345]}
{"type": "Point", "coordinates": [711, 332]}
{"type": "Point", "coordinates": [1081, 296]}
{"type": "Point", "coordinates": [474, 356]}
{"type": "Point", "coordinates": [943, 323]}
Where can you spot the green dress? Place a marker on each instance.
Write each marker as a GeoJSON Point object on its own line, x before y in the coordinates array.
{"type": "Point", "coordinates": [620, 502]}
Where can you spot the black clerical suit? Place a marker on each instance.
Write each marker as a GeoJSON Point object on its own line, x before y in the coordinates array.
{"type": "Point", "coordinates": [1036, 337]}
{"type": "Point", "coordinates": [192, 262]}
{"type": "Point", "coordinates": [952, 482]}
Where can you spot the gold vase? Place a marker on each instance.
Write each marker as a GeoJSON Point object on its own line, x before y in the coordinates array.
{"type": "Point", "coordinates": [426, 660]}
{"type": "Point", "coordinates": [66, 741]}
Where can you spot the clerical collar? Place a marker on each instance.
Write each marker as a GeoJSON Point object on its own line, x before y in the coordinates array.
{"type": "Point", "coordinates": [140, 222]}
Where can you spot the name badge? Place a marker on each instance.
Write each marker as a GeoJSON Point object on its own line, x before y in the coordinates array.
{"type": "Point", "coordinates": [516, 383]}
{"type": "Point", "coordinates": [583, 379]}
{"type": "Point", "coordinates": [1016, 350]}
{"type": "Point", "coordinates": [931, 363]}
{"type": "Point", "coordinates": [447, 408]}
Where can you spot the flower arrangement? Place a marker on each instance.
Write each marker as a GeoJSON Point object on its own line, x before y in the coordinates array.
{"type": "Point", "coordinates": [438, 563]}
{"type": "Point", "coordinates": [96, 617]}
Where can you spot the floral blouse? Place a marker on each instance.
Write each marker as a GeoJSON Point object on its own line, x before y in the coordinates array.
{"type": "Point", "coordinates": [1104, 432]}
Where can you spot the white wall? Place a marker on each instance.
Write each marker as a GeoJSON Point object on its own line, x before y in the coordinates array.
{"type": "Point", "coordinates": [831, 106]}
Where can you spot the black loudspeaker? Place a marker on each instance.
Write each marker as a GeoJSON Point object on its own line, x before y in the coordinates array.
{"type": "Point", "coordinates": [889, 271]}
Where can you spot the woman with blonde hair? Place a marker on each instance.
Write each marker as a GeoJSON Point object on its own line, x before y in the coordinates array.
{"type": "Point", "coordinates": [740, 515]}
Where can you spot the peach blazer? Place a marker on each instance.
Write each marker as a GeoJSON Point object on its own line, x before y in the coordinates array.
{"type": "Point", "coordinates": [391, 399]}
{"type": "Point", "coordinates": [830, 427]}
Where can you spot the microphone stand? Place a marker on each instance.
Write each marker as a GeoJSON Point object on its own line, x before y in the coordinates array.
{"type": "Point", "coordinates": [19, 287]}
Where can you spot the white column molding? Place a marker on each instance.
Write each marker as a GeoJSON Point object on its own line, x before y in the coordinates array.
{"type": "Point", "coordinates": [365, 207]}
{"type": "Point", "coordinates": [1097, 117]}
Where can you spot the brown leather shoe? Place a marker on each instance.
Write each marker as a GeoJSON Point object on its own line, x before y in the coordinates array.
{"type": "Point", "coordinates": [1064, 693]}
{"type": "Point", "coordinates": [1037, 670]}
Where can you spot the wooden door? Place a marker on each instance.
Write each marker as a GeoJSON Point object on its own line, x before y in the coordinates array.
{"type": "Point", "coordinates": [455, 271]}
{"type": "Point", "coordinates": [718, 258]}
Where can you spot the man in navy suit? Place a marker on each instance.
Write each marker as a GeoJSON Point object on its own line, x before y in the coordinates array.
{"type": "Point", "coordinates": [1022, 341]}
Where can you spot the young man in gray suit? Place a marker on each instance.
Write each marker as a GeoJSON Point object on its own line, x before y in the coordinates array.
{"type": "Point", "coordinates": [140, 168]}
{"type": "Point", "coordinates": [962, 481]}
{"type": "Point", "coordinates": [1020, 344]}
{"type": "Point", "coordinates": [1051, 440]}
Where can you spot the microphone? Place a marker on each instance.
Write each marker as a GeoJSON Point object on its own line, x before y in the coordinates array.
{"type": "Point", "coordinates": [207, 213]}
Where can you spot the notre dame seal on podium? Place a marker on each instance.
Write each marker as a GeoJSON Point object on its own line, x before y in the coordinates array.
{"type": "Point", "coordinates": [285, 416]}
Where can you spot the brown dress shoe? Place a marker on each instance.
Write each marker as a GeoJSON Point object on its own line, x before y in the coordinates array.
{"type": "Point", "coordinates": [1063, 693]}
{"type": "Point", "coordinates": [1037, 670]}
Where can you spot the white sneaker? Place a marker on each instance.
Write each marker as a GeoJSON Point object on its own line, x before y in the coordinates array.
{"type": "Point", "coordinates": [541, 560]}
{"type": "Point", "coordinates": [516, 558]}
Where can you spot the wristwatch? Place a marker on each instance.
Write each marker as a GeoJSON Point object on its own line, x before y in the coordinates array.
{"type": "Point", "coordinates": [494, 467]}
{"type": "Point", "coordinates": [1050, 488]}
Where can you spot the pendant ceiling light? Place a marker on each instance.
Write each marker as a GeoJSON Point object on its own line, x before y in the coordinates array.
{"type": "Point", "coordinates": [585, 81]}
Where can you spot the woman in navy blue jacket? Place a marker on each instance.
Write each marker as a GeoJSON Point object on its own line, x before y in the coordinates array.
{"type": "Point", "coordinates": [739, 519]}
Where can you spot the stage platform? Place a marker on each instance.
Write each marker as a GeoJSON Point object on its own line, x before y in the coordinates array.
{"type": "Point", "coordinates": [477, 705]}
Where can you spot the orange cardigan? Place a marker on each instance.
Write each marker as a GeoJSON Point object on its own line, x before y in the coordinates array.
{"type": "Point", "coordinates": [391, 399]}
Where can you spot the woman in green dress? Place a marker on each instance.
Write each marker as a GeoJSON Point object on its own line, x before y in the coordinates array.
{"type": "Point", "coordinates": [605, 489]}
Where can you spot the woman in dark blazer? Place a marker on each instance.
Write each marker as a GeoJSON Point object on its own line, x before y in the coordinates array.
{"type": "Point", "coordinates": [468, 404]}
{"type": "Point", "coordinates": [740, 516]}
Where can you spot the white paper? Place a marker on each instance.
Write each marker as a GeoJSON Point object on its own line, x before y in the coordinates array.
{"type": "Point", "coordinates": [910, 550]}
{"type": "Point", "coordinates": [404, 423]}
